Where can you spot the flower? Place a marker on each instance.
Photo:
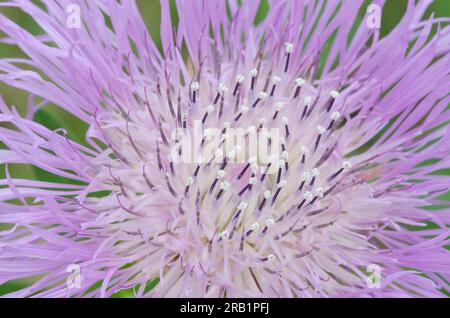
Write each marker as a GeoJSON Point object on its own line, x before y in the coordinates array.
{"type": "Point", "coordinates": [362, 126]}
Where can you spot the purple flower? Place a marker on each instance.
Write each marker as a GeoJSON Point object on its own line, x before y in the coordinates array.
{"type": "Point", "coordinates": [358, 129]}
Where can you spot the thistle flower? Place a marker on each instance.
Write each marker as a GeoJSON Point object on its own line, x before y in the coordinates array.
{"type": "Point", "coordinates": [363, 129]}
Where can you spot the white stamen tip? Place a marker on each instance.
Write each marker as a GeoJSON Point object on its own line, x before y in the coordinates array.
{"type": "Point", "coordinates": [308, 196]}
{"type": "Point", "coordinates": [255, 226]}
{"type": "Point", "coordinates": [195, 86]}
{"type": "Point", "coordinates": [189, 181]}
{"type": "Point", "coordinates": [244, 109]}
{"type": "Point", "coordinates": [281, 184]}
{"type": "Point", "coordinates": [252, 181]}
{"type": "Point", "coordinates": [335, 115]}
{"type": "Point", "coordinates": [263, 96]}
{"type": "Point", "coordinates": [346, 165]}
{"type": "Point", "coordinates": [224, 185]}
{"type": "Point", "coordinates": [270, 222]}
{"type": "Point", "coordinates": [276, 79]}
{"type": "Point", "coordinates": [315, 172]}
{"type": "Point", "coordinates": [285, 120]}
{"type": "Point", "coordinates": [306, 176]}
{"type": "Point", "coordinates": [254, 167]}
{"type": "Point", "coordinates": [267, 194]}
{"type": "Point", "coordinates": [304, 150]}
{"type": "Point", "coordinates": [334, 94]}
{"type": "Point", "coordinates": [262, 120]}
{"type": "Point", "coordinates": [288, 47]}
{"type": "Point", "coordinates": [271, 258]}
{"type": "Point", "coordinates": [253, 72]}
{"type": "Point", "coordinates": [242, 206]}
{"type": "Point", "coordinates": [209, 109]}
{"type": "Point", "coordinates": [224, 234]}
{"type": "Point", "coordinates": [252, 160]}
{"type": "Point", "coordinates": [299, 81]}
{"type": "Point", "coordinates": [318, 192]}
{"type": "Point", "coordinates": [320, 130]}
{"type": "Point", "coordinates": [226, 125]}
{"type": "Point", "coordinates": [222, 88]}
{"type": "Point", "coordinates": [308, 101]}
{"type": "Point", "coordinates": [285, 155]}
{"type": "Point", "coordinates": [221, 174]}
{"type": "Point", "coordinates": [251, 129]}
{"type": "Point", "coordinates": [279, 106]}
{"type": "Point", "coordinates": [240, 78]}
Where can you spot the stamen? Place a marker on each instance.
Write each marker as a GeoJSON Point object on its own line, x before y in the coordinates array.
{"type": "Point", "coordinates": [288, 48]}
{"type": "Point", "coordinates": [333, 95]}
{"type": "Point", "coordinates": [275, 81]}
{"type": "Point", "coordinates": [320, 131]}
{"type": "Point", "coordinates": [195, 86]}
{"type": "Point", "coordinates": [253, 74]}
{"type": "Point", "coordinates": [239, 79]}
{"type": "Point", "coordinates": [298, 84]}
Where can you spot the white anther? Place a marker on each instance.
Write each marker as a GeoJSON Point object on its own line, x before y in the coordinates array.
{"type": "Point", "coordinates": [304, 150]}
{"type": "Point", "coordinates": [226, 125]}
{"type": "Point", "coordinates": [189, 181]}
{"type": "Point", "coordinates": [224, 185]}
{"type": "Point", "coordinates": [253, 72]}
{"type": "Point", "coordinates": [240, 78]}
{"type": "Point", "coordinates": [346, 165]}
{"type": "Point", "coordinates": [267, 194]}
{"type": "Point", "coordinates": [252, 181]}
{"type": "Point", "coordinates": [271, 258]}
{"type": "Point", "coordinates": [251, 129]}
{"type": "Point", "coordinates": [285, 155]}
{"type": "Point", "coordinates": [334, 94]}
{"type": "Point", "coordinates": [281, 184]}
{"type": "Point", "coordinates": [252, 160]}
{"type": "Point", "coordinates": [244, 109]}
{"type": "Point", "coordinates": [288, 47]}
{"type": "Point", "coordinates": [335, 115]}
{"type": "Point", "coordinates": [308, 196]}
{"type": "Point", "coordinates": [225, 136]}
{"type": "Point", "coordinates": [285, 120]}
{"type": "Point", "coordinates": [242, 206]}
{"type": "Point", "coordinates": [315, 172]}
{"type": "Point", "coordinates": [209, 109]}
{"type": "Point", "coordinates": [255, 227]}
{"type": "Point", "coordinates": [318, 192]}
{"type": "Point", "coordinates": [276, 79]}
{"type": "Point", "coordinates": [269, 222]}
{"type": "Point", "coordinates": [224, 234]}
{"type": "Point", "coordinates": [267, 134]}
{"type": "Point", "coordinates": [306, 176]}
{"type": "Point", "coordinates": [195, 86]}
{"type": "Point", "coordinates": [279, 106]}
{"type": "Point", "coordinates": [222, 88]}
{"type": "Point", "coordinates": [308, 101]}
{"type": "Point", "coordinates": [221, 174]}
{"type": "Point", "coordinates": [281, 163]}
{"type": "Point", "coordinates": [263, 96]}
{"type": "Point", "coordinates": [262, 120]}
{"type": "Point", "coordinates": [254, 168]}
{"type": "Point", "coordinates": [320, 130]}
{"type": "Point", "coordinates": [218, 153]}
{"type": "Point", "coordinates": [299, 81]}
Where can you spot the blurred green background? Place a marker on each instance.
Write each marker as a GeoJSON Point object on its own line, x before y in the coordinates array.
{"type": "Point", "coordinates": [53, 117]}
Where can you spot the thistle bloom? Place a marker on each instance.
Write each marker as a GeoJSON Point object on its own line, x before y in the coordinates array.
{"type": "Point", "coordinates": [362, 130]}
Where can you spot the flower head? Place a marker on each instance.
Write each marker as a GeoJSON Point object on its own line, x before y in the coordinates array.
{"type": "Point", "coordinates": [352, 137]}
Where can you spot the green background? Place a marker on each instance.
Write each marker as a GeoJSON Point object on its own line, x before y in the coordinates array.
{"type": "Point", "coordinates": [53, 117]}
